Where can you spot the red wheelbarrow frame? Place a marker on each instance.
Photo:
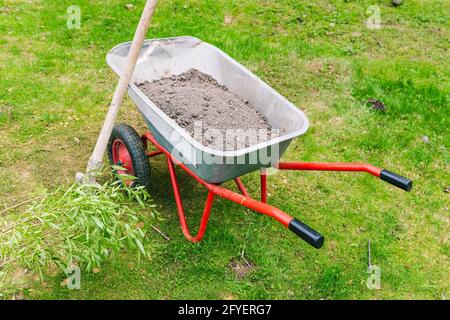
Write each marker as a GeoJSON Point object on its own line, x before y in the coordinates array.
{"type": "Point", "coordinates": [299, 228]}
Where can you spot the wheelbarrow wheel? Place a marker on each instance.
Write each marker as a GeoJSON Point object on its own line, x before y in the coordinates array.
{"type": "Point", "coordinates": [126, 149]}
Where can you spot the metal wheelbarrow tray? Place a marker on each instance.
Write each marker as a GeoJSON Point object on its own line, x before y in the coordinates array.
{"type": "Point", "coordinates": [164, 57]}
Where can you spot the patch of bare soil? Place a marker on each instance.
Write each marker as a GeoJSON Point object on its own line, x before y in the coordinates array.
{"type": "Point", "coordinates": [241, 267]}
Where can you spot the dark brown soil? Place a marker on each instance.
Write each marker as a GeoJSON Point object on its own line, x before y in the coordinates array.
{"type": "Point", "coordinates": [377, 105]}
{"type": "Point", "coordinates": [197, 97]}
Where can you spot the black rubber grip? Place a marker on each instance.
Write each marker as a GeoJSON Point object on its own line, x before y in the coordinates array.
{"type": "Point", "coordinates": [306, 233]}
{"type": "Point", "coordinates": [396, 180]}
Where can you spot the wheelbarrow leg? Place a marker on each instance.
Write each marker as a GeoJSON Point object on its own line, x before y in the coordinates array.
{"type": "Point", "coordinates": [241, 187]}
{"type": "Point", "coordinates": [263, 175]}
{"type": "Point", "coordinates": [181, 214]}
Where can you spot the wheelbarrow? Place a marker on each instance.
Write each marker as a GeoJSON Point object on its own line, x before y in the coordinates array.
{"type": "Point", "coordinates": [171, 56]}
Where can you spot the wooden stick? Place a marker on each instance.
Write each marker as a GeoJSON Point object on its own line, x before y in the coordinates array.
{"type": "Point", "coordinates": [18, 205]}
{"type": "Point", "coordinates": [95, 162]}
{"type": "Point", "coordinates": [243, 257]}
{"type": "Point", "coordinates": [160, 232]}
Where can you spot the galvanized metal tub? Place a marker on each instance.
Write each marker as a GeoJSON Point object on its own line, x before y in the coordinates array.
{"type": "Point", "coordinates": [160, 58]}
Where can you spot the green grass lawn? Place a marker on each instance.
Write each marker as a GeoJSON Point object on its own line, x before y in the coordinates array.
{"type": "Point", "coordinates": [55, 88]}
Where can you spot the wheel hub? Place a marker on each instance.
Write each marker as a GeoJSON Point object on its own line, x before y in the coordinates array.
{"type": "Point", "coordinates": [122, 158]}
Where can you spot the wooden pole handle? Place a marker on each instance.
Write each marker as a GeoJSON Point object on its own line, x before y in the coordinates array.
{"type": "Point", "coordinates": [95, 162]}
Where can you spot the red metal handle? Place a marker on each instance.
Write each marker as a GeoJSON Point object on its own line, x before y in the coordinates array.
{"type": "Point", "coordinates": [329, 166]}
{"type": "Point", "coordinates": [383, 174]}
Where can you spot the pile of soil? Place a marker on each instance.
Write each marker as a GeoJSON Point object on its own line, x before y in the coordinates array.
{"type": "Point", "coordinates": [195, 96]}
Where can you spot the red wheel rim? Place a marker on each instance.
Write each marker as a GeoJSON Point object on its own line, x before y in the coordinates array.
{"type": "Point", "coordinates": [122, 157]}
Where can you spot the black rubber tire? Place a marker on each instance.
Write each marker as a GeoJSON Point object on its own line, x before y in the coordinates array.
{"type": "Point", "coordinates": [137, 151]}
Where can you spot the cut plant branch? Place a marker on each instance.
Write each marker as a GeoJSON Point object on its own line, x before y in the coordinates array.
{"type": "Point", "coordinates": [160, 232]}
{"type": "Point", "coordinates": [82, 224]}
